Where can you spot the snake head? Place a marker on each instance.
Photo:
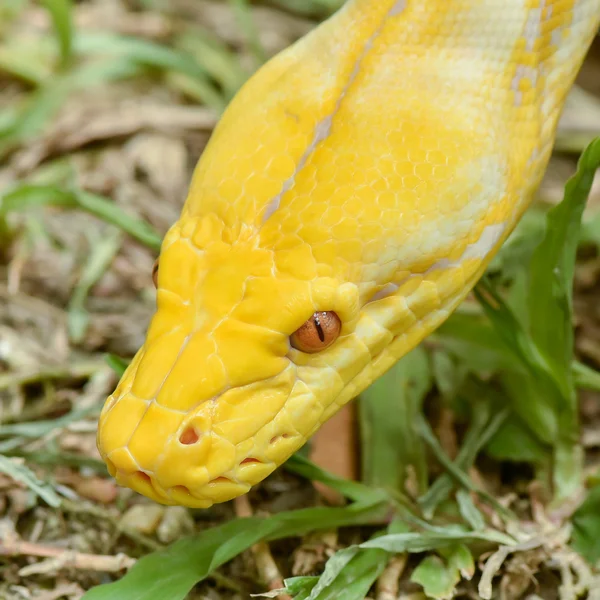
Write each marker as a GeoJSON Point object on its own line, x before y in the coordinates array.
{"type": "Point", "coordinates": [218, 396]}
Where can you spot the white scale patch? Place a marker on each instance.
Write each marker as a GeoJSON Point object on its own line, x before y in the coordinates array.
{"type": "Point", "coordinates": [480, 249]}
{"type": "Point", "coordinates": [323, 128]}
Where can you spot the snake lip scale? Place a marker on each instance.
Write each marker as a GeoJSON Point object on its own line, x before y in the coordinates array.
{"type": "Point", "coordinates": [350, 197]}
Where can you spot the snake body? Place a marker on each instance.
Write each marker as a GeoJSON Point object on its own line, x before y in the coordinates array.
{"type": "Point", "coordinates": [371, 170]}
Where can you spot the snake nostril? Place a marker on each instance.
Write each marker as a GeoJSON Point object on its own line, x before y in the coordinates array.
{"type": "Point", "coordinates": [251, 461]}
{"type": "Point", "coordinates": [189, 436]}
{"type": "Point", "coordinates": [283, 436]}
{"type": "Point", "coordinates": [144, 477]}
{"type": "Point", "coordinates": [220, 480]}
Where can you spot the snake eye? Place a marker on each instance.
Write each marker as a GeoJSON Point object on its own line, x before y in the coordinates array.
{"type": "Point", "coordinates": [155, 273]}
{"type": "Point", "coordinates": [318, 333]}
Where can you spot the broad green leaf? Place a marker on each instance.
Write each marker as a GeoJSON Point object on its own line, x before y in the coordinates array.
{"type": "Point", "coordinates": [437, 580]}
{"type": "Point", "coordinates": [472, 338]}
{"type": "Point", "coordinates": [439, 575]}
{"type": "Point", "coordinates": [586, 527]}
{"type": "Point", "coordinates": [171, 573]}
{"type": "Point", "coordinates": [355, 580]}
{"type": "Point", "coordinates": [514, 441]}
{"type": "Point", "coordinates": [387, 412]}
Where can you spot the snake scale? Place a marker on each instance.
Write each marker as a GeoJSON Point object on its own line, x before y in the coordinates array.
{"type": "Point", "coordinates": [350, 197]}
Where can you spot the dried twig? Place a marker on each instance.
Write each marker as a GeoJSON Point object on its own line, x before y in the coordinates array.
{"type": "Point", "coordinates": [389, 581]}
{"type": "Point", "coordinates": [265, 564]}
{"type": "Point", "coordinates": [60, 559]}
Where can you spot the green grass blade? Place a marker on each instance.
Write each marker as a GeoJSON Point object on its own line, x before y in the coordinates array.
{"type": "Point", "coordinates": [354, 490]}
{"type": "Point", "coordinates": [21, 473]}
{"type": "Point", "coordinates": [243, 13]}
{"type": "Point", "coordinates": [551, 301]}
{"type": "Point", "coordinates": [551, 273]}
{"type": "Point", "coordinates": [117, 364]}
{"type": "Point", "coordinates": [387, 413]}
{"type": "Point", "coordinates": [37, 429]}
{"type": "Point", "coordinates": [153, 55]}
{"type": "Point", "coordinates": [28, 196]}
{"type": "Point", "coordinates": [102, 254]}
{"type": "Point", "coordinates": [61, 13]}
{"type": "Point", "coordinates": [482, 428]}
{"type": "Point", "coordinates": [455, 471]}
{"type": "Point", "coordinates": [171, 573]}
{"type": "Point", "coordinates": [45, 102]}
{"type": "Point", "coordinates": [397, 543]}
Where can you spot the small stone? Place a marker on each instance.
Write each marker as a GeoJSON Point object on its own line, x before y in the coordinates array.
{"type": "Point", "coordinates": [144, 518]}
{"type": "Point", "coordinates": [176, 523]}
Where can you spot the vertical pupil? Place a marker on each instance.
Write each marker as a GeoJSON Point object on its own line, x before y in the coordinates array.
{"type": "Point", "coordinates": [318, 327]}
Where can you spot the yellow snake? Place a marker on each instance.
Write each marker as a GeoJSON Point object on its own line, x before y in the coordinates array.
{"type": "Point", "coordinates": [351, 196]}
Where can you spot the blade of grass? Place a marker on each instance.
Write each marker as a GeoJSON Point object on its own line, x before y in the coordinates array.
{"type": "Point", "coordinates": [24, 475]}
{"type": "Point", "coordinates": [469, 336]}
{"type": "Point", "coordinates": [43, 104]}
{"type": "Point", "coordinates": [61, 13]}
{"type": "Point", "coordinates": [37, 429]}
{"type": "Point", "coordinates": [220, 62]}
{"type": "Point", "coordinates": [422, 542]}
{"type": "Point", "coordinates": [170, 574]}
{"type": "Point", "coordinates": [387, 412]}
{"type": "Point", "coordinates": [551, 301]}
{"type": "Point", "coordinates": [243, 13]}
{"type": "Point", "coordinates": [150, 54]}
{"type": "Point", "coordinates": [27, 196]}
{"type": "Point", "coordinates": [354, 490]}
{"type": "Point", "coordinates": [355, 580]}
{"type": "Point", "coordinates": [309, 8]}
{"type": "Point", "coordinates": [482, 428]}
{"type": "Point", "coordinates": [117, 364]}
{"type": "Point", "coordinates": [102, 253]}
{"type": "Point", "coordinates": [454, 471]}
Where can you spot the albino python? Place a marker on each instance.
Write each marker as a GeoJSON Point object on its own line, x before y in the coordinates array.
{"type": "Point", "coordinates": [351, 196]}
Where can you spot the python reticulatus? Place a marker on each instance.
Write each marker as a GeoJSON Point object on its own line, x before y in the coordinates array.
{"type": "Point", "coordinates": [358, 184]}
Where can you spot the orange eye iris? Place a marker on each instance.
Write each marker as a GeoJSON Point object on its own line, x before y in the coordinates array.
{"type": "Point", "coordinates": [318, 333]}
{"type": "Point", "coordinates": [155, 273]}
